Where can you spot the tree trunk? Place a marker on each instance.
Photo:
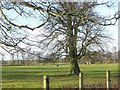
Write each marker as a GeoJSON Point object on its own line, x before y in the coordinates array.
{"type": "Point", "coordinates": [72, 43]}
{"type": "Point", "coordinates": [74, 67]}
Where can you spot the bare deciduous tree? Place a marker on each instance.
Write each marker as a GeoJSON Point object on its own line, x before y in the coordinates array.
{"type": "Point", "coordinates": [71, 27]}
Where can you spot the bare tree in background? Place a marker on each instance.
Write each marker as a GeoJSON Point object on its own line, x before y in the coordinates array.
{"type": "Point", "coordinates": [70, 28]}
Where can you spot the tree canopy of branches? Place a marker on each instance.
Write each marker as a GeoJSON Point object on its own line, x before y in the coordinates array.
{"type": "Point", "coordinates": [70, 28]}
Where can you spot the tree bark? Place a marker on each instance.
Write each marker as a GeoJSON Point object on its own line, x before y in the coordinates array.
{"type": "Point", "coordinates": [74, 67]}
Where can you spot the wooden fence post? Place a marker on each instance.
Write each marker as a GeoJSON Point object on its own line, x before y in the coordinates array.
{"type": "Point", "coordinates": [46, 83]}
{"type": "Point", "coordinates": [81, 81]}
{"type": "Point", "coordinates": [108, 80]}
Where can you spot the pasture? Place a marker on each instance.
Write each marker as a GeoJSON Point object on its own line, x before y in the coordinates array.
{"type": "Point", "coordinates": [32, 76]}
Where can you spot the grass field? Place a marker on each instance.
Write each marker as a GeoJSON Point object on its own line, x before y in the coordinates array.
{"type": "Point", "coordinates": [32, 76]}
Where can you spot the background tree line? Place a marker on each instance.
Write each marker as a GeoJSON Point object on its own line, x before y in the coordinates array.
{"type": "Point", "coordinates": [91, 57]}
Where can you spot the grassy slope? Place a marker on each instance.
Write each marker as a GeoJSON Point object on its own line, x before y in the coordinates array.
{"type": "Point", "coordinates": [31, 76]}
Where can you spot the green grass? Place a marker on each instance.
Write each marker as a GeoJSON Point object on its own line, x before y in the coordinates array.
{"type": "Point", "coordinates": [32, 76]}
